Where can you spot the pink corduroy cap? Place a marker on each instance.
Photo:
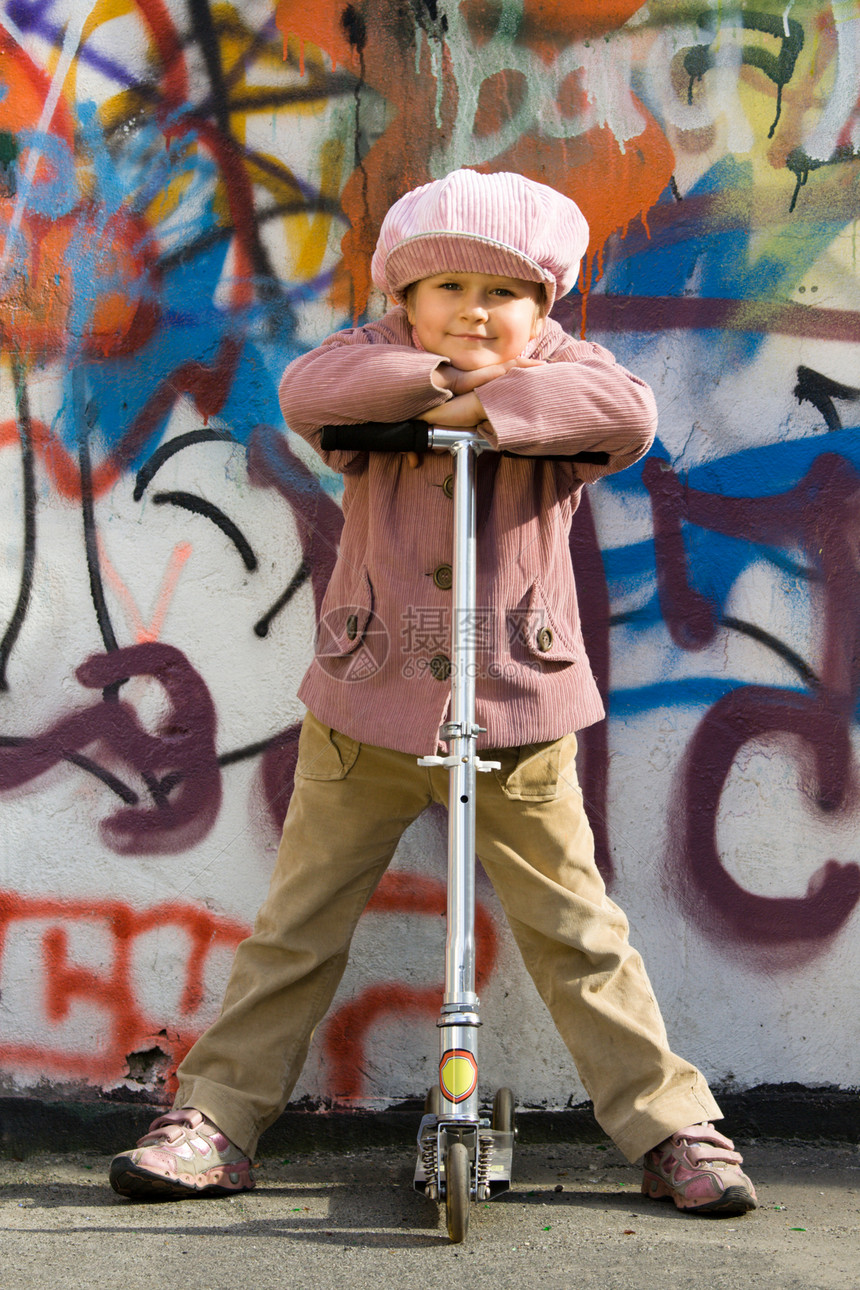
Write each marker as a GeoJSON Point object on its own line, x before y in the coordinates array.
{"type": "Point", "coordinates": [501, 224]}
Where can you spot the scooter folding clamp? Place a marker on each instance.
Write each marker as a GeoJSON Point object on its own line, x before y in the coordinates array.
{"type": "Point", "coordinates": [459, 1018]}
{"type": "Point", "coordinates": [439, 761]}
{"type": "Point", "coordinates": [460, 730]}
{"type": "Point", "coordinates": [456, 761]}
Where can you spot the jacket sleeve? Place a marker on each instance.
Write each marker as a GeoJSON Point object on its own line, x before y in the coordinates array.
{"type": "Point", "coordinates": [580, 400]}
{"type": "Point", "coordinates": [369, 373]}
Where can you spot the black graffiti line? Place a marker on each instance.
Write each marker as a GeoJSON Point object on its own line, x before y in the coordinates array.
{"type": "Point", "coordinates": [91, 546]}
{"type": "Point", "coordinates": [788, 655]}
{"type": "Point", "coordinates": [91, 767]}
{"type": "Point", "coordinates": [166, 785]}
{"type": "Point", "coordinates": [250, 750]}
{"type": "Point", "coordinates": [264, 97]}
{"type": "Point", "coordinates": [199, 506]}
{"type": "Point", "coordinates": [213, 237]}
{"type": "Point", "coordinates": [204, 27]}
{"type": "Point", "coordinates": [311, 198]}
{"type": "Point", "coordinates": [150, 93]}
{"type": "Point", "coordinates": [207, 39]}
{"type": "Point", "coordinates": [298, 580]}
{"type": "Point", "coordinates": [28, 557]}
{"type": "Point", "coordinates": [259, 99]}
{"type": "Point", "coordinates": [167, 450]}
{"type": "Point", "coordinates": [268, 283]}
{"type": "Point", "coordinates": [801, 164]}
{"type": "Point", "coordinates": [820, 390]}
{"type": "Point", "coordinates": [158, 789]}
{"type": "Point", "coordinates": [121, 789]}
{"type": "Point", "coordinates": [262, 38]}
{"type": "Point", "coordinates": [779, 69]}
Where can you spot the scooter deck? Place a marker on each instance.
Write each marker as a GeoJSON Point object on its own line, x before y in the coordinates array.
{"type": "Point", "coordinates": [495, 1158]}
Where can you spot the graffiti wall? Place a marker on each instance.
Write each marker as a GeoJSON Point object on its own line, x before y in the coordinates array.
{"type": "Point", "coordinates": [189, 195]}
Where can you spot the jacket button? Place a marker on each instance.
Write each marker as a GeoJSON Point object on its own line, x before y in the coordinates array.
{"type": "Point", "coordinates": [444, 577]}
{"type": "Point", "coordinates": [448, 485]}
{"type": "Point", "coordinates": [544, 640]}
{"type": "Point", "coordinates": [440, 667]}
{"type": "Point", "coordinates": [352, 627]}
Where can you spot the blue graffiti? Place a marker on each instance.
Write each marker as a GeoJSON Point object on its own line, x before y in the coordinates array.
{"type": "Point", "coordinates": [715, 560]}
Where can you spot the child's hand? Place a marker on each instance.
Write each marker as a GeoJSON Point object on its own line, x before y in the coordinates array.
{"type": "Point", "coordinates": [465, 409]}
{"type": "Point", "coordinates": [462, 410]}
{"type": "Point", "coordinates": [460, 382]}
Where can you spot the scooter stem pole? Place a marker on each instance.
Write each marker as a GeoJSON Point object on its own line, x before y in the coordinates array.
{"type": "Point", "coordinates": [460, 943]}
{"type": "Point", "coordinates": [459, 1020]}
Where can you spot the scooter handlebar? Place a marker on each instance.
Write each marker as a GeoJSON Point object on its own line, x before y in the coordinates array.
{"type": "Point", "coordinates": [414, 436]}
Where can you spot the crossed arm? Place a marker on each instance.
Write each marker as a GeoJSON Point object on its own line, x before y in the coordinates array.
{"type": "Point", "coordinates": [465, 408]}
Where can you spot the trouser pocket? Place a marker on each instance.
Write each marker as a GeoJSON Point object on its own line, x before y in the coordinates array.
{"type": "Point", "coordinates": [324, 753]}
{"type": "Point", "coordinates": [538, 772]}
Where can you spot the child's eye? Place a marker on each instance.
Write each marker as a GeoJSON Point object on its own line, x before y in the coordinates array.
{"type": "Point", "coordinates": [502, 291]}
{"type": "Point", "coordinates": [450, 286]}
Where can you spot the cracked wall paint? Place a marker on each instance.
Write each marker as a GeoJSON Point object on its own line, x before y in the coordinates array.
{"type": "Point", "coordinates": [189, 196]}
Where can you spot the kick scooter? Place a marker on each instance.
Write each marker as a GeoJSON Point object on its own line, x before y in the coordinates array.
{"type": "Point", "coordinates": [462, 1155]}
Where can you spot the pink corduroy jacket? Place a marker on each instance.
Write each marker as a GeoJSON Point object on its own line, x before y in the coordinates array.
{"type": "Point", "coordinates": [381, 668]}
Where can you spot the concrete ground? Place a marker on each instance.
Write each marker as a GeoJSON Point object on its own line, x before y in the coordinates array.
{"type": "Point", "coordinates": [575, 1219]}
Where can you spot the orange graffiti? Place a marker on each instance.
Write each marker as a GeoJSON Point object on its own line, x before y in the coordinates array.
{"type": "Point", "coordinates": [41, 303]}
{"type": "Point", "coordinates": [578, 19]}
{"type": "Point", "coordinates": [320, 24]}
{"type": "Point", "coordinates": [111, 991]}
{"type": "Point", "coordinates": [613, 183]}
{"type": "Point", "coordinates": [379, 43]}
{"type": "Point", "coordinates": [348, 1028]}
{"type": "Point", "coordinates": [611, 186]}
{"type": "Point", "coordinates": [142, 633]}
{"type": "Point", "coordinates": [60, 466]}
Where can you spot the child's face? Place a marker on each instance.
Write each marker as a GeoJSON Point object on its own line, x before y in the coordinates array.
{"type": "Point", "coordinates": [475, 319]}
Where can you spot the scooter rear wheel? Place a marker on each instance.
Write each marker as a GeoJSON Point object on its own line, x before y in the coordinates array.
{"type": "Point", "coordinates": [457, 1191]}
{"type": "Point", "coordinates": [433, 1101]}
{"type": "Point", "coordinates": [504, 1111]}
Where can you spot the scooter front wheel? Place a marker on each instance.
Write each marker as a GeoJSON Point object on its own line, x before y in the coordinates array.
{"type": "Point", "coordinates": [457, 1191]}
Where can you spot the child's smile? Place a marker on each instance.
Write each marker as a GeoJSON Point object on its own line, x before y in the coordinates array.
{"type": "Point", "coordinates": [475, 319]}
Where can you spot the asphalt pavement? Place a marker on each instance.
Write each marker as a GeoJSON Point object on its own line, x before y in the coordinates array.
{"type": "Point", "coordinates": [574, 1219]}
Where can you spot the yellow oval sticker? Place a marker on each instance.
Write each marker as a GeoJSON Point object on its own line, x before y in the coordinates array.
{"type": "Point", "coordinates": [458, 1074]}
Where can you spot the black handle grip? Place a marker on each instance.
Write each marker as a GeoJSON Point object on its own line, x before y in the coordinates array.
{"type": "Point", "coordinates": [412, 436]}
{"type": "Point", "coordinates": [591, 458]}
{"type": "Point", "coordinates": [377, 436]}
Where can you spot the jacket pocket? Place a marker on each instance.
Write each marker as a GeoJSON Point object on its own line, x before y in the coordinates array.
{"type": "Point", "coordinates": [344, 618]}
{"type": "Point", "coordinates": [324, 753]}
{"type": "Point", "coordinates": [537, 772]}
{"type": "Point", "coordinates": [536, 627]}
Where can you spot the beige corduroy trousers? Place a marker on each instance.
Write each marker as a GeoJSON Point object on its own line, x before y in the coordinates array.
{"type": "Point", "coordinates": [350, 806]}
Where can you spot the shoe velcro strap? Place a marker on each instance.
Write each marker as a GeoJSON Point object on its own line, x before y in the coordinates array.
{"type": "Point", "coordinates": [704, 1133]}
{"type": "Point", "coordinates": [162, 1128]}
{"type": "Point", "coordinates": [700, 1152]}
{"type": "Point", "coordinates": [173, 1134]}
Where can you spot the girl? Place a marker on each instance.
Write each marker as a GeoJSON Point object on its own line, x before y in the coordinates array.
{"type": "Point", "coordinates": [474, 263]}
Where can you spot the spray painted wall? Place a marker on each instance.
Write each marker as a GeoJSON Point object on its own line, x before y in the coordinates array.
{"type": "Point", "coordinates": [189, 193]}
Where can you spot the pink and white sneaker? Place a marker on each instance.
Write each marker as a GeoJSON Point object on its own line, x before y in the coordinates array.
{"type": "Point", "coordinates": [699, 1169]}
{"type": "Point", "coordinates": [183, 1154]}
